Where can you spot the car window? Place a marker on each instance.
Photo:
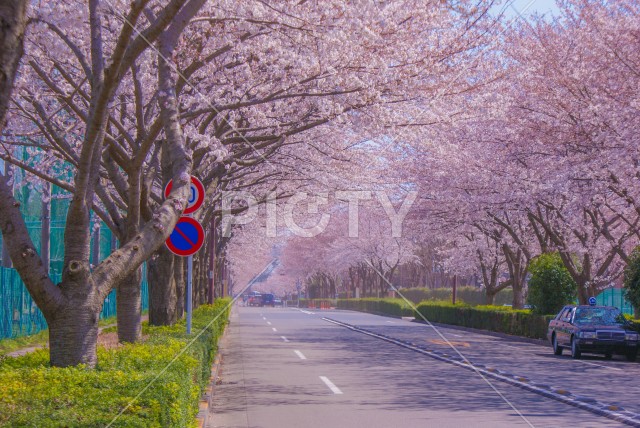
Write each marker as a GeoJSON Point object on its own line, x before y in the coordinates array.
{"type": "Point", "coordinates": [598, 316]}
{"type": "Point", "coordinates": [566, 316]}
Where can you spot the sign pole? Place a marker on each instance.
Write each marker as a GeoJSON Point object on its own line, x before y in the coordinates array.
{"type": "Point", "coordinates": [189, 292]}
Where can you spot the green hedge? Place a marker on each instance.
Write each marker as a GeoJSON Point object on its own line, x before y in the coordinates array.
{"type": "Point", "coordinates": [493, 318]}
{"type": "Point", "coordinates": [393, 307]}
{"type": "Point", "coordinates": [469, 295]}
{"type": "Point", "coordinates": [34, 394]}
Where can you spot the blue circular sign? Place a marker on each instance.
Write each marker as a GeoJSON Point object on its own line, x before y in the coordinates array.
{"type": "Point", "coordinates": [187, 237]}
{"type": "Point", "coordinates": [592, 301]}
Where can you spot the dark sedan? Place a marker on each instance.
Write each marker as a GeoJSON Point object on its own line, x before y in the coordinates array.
{"type": "Point", "coordinates": [593, 329]}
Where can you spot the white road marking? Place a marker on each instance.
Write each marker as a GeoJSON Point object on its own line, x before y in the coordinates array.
{"type": "Point", "coordinates": [300, 354]}
{"type": "Point", "coordinates": [307, 312]}
{"type": "Point", "coordinates": [598, 365]}
{"type": "Point", "coordinates": [269, 323]}
{"type": "Point", "coordinates": [456, 335]}
{"type": "Point", "coordinates": [391, 322]}
{"type": "Point", "coordinates": [264, 318]}
{"type": "Point", "coordinates": [273, 328]}
{"type": "Point", "coordinates": [330, 384]}
{"type": "Point", "coordinates": [284, 338]}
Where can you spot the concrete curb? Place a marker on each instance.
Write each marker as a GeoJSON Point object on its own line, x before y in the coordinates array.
{"type": "Point", "coordinates": [610, 411]}
{"type": "Point", "coordinates": [206, 401]}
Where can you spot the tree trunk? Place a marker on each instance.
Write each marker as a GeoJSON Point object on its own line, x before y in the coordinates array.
{"type": "Point", "coordinates": [73, 334]}
{"type": "Point", "coordinates": [162, 289]}
{"type": "Point", "coordinates": [518, 296]}
{"type": "Point", "coordinates": [490, 297]}
{"type": "Point", "coordinates": [129, 310]}
{"type": "Point", "coordinates": [583, 293]}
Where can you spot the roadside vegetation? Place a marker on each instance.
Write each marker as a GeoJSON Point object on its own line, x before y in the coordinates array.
{"type": "Point", "coordinates": [32, 393]}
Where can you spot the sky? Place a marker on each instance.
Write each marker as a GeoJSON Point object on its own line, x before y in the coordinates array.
{"type": "Point", "coordinates": [524, 8]}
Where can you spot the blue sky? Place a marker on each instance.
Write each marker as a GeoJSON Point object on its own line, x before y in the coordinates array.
{"type": "Point", "coordinates": [539, 6]}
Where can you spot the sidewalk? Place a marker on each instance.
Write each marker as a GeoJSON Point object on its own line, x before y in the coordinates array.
{"type": "Point", "coordinates": [229, 394]}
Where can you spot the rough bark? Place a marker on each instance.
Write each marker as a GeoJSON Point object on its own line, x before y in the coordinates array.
{"type": "Point", "coordinates": [13, 20]}
{"type": "Point", "coordinates": [73, 332]}
{"type": "Point", "coordinates": [129, 313]}
{"type": "Point", "coordinates": [163, 297]}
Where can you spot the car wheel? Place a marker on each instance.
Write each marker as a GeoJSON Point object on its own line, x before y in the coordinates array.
{"type": "Point", "coordinates": [608, 355]}
{"type": "Point", "coordinates": [575, 349]}
{"type": "Point", "coordinates": [631, 355]}
{"type": "Point", "coordinates": [557, 349]}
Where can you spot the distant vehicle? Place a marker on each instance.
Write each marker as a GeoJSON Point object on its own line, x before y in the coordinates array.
{"type": "Point", "coordinates": [268, 300]}
{"type": "Point", "coordinates": [593, 329]}
{"type": "Point", "coordinates": [255, 299]}
{"type": "Point", "coordinates": [277, 302]}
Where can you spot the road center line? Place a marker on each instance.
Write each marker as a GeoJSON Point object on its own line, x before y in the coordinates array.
{"type": "Point", "coordinates": [391, 322]}
{"type": "Point", "coordinates": [300, 354]}
{"type": "Point", "coordinates": [284, 338]}
{"type": "Point", "coordinates": [269, 323]}
{"type": "Point", "coordinates": [273, 328]}
{"type": "Point", "coordinates": [330, 384]}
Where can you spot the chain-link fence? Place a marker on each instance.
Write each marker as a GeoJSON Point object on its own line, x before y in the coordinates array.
{"type": "Point", "coordinates": [615, 297]}
{"type": "Point", "coordinates": [19, 315]}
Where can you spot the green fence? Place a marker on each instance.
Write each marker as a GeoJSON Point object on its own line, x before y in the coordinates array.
{"type": "Point", "coordinates": [615, 297]}
{"type": "Point", "coordinates": [19, 315]}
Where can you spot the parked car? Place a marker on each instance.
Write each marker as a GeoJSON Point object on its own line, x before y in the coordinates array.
{"type": "Point", "coordinates": [593, 329]}
{"type": "Point", "coordinates": [277, 302]}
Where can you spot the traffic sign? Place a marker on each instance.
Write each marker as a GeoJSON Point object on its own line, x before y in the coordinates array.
{"type": "Point", "coordinates": [592, 301]}
{"type": "Point", "coordinates": [196, 194]}
{"type": "Point", "coordinates": [187, 237]}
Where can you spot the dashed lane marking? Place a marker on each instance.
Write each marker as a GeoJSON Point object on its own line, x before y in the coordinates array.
{"type": "Point", "coordinates": [300, 354]}
{"type": "Point", "coordinates": [330, 384]}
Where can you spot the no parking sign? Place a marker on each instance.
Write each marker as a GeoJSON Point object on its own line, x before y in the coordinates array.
{"type": "Point", "coordinates": [187, 237]}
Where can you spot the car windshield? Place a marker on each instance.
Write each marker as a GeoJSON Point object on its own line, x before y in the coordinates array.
{"type": "Point", "coordinates": [599, 316]}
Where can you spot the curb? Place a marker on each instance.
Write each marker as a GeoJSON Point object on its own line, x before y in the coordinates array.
{"type": "Point", "coordinates": [206, 401]}
{"type": "Point", "coordinates": [610, 411]}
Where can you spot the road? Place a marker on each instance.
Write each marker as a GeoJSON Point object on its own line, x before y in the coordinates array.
{"type": "Point", "coordinates": [291, 368]}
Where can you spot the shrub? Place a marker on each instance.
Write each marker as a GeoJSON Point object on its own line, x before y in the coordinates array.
{"type": "Point", "coordinates": [469, 295]}
{"type": "Point", "coordinates": [550, 286]}
{"type": "Point", "coordinates": [389, 306]}
{"type": "Point", "coordinates": [34, 394]}
{"type": "Point", "coordinates": [518, 322]}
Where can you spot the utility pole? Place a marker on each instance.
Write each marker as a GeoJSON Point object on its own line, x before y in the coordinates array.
{"type": "Point", "coordinates": [455, 286]}
{"type": "Point", "coordinates": [212, 262]}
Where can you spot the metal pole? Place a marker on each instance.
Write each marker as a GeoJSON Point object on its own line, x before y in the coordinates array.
{"type": "Point", "coordinates": [189, 292]}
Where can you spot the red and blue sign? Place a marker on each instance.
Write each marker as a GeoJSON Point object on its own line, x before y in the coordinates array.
{"type": "Point", "coordinates": [187, 237]}
{"type": "Point", "coordinates": [196, 194]}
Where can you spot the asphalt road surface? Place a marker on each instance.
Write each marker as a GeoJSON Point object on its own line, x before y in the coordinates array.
{"type": "Point", "coordinates": [285, 367]}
